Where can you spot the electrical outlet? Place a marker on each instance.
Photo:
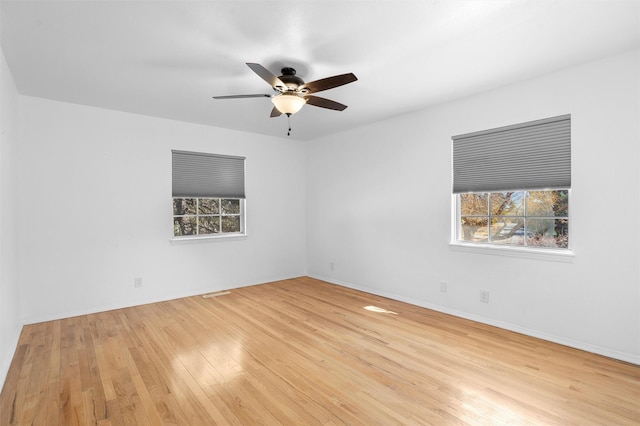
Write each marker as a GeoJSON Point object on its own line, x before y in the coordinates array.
{"type": "Point", "coordinates": [443, 287]}
{"type": "Point", "coordinates": [137, 282]}
{"type": "Point", "coordinates": [484, 296]}
{"type": "Point", "coordinates": [332, 266]}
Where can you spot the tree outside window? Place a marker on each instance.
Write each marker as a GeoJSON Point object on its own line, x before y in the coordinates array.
{"type": "Point", "coordinates": [515, 218]}
{"type": "Point", "coordinates": [203, 216]}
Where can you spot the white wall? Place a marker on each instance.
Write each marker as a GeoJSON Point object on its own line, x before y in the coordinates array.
{"type": "Point", "coordinates": [379, 208]}
{"type": "Point", "coordinates": [95, 211]}
{"type": "Point", "coordinates": [9, 291]}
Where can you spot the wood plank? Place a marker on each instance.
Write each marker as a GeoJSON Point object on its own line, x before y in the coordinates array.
{"type": "Point", "coordinates": [303, 351]}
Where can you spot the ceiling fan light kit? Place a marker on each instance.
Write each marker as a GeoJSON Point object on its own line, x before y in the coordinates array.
{"type": "Point", "coordinates": [288, 103]}
{"type": "Point", "coordinates": [293, 92]}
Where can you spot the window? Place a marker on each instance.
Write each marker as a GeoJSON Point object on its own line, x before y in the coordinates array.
{"type": "Point", "coordinates": [206, 216]}
{"type": "Point", "coordinates": [208, 195]}
{"type": "Point", "coordinates": [511, 185]}
{"type": "Point", "coordinates": [515, 218]}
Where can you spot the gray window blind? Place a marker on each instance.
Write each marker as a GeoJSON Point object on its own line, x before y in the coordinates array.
{"type": "Point", "coordinates": [532, 155]}
{"type": "Point", "coordinates": [197, 174]}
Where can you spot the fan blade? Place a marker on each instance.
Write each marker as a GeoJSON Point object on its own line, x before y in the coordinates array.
{"type": "Point", "coordinates": [242, 96]}
{"type": "Point", "coordinates": [267, 76]}
{"type": "Point", "coordinates": [328, 83]}
{"type": "Point", "coordinates": [324, 103]}
{"type": "Point", "coordinates": [275, 113]}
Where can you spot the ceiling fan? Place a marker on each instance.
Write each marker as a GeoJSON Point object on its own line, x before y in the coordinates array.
{"type": "Point", "coordinates": [292, 93]}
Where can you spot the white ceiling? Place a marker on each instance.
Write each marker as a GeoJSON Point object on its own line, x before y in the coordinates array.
{"type": "Point", "coordinates": [168, 58]}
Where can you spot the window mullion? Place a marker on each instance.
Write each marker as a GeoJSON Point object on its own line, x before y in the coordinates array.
{"type": "Point", "coordinates": [489, 236]}
{"type": "Point", "coordinates": [197, 216]}
{"type": "Point", "coordinates": [525, 220]}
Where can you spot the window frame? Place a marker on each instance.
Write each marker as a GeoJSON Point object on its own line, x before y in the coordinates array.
{"type": "Point", "coordinates": [529, 252]}
{"type": "Point", "coordinates": [220, 215]}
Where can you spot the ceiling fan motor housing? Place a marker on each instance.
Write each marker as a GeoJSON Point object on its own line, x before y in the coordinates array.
{"type": "Point", "coordinates": [289, 78]}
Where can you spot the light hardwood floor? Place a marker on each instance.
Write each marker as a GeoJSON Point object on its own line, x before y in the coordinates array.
{"type": "Point", "coordinates": [304, 352]}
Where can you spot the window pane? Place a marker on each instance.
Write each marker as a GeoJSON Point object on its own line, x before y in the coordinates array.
{"type": "Point", "coordinates": [209, 206]}
{"type": "Point", "coordinates": [209, 225]}
{"type": "Point", "coordinates": [474, 204]}
{"type": "Point", "coordinates": [548, 203]}
{"type": "Point", "coordinates": [230, 223]}
{"type": "Point", "coordinates": [182, 206]}
{"type": "Point", "coordinates": [507, 203]}
{"type": "Point", "coordinates": [474, 229]}
{"type": "Point", "coordinates": [185, 225]}
{"type": "Point", "coordinates": [230, 206]}
{"type": "Point", "coordinates": [507, 230]}
{"type": "Point", "coordinates": [548, 233]}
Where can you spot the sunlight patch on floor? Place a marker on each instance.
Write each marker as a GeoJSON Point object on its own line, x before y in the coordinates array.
{"type": "Point", "coordinates": [380, 310]}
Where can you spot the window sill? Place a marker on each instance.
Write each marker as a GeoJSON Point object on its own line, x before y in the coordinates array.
{"type": "Point", "coordinates": [555, 255]}
{"type": "Point", "coordinates": [206, 239]}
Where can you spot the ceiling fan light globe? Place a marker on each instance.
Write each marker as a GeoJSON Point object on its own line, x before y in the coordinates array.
{"type": "Point", "coordinates": [288, 103]}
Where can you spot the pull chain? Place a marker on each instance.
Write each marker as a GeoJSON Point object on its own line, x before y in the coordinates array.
{"type": "Point", "coordinates": [289, 122]}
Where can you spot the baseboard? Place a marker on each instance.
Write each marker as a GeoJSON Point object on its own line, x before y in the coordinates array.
{"type": "Point", "coordinates": [123, 305]}
{"type": "Point", "coordinates": [622, 356]}
{"type": "Point", "coordinates": [6, 362]}
{"type": "Point", "coordinates": [610, 353]}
